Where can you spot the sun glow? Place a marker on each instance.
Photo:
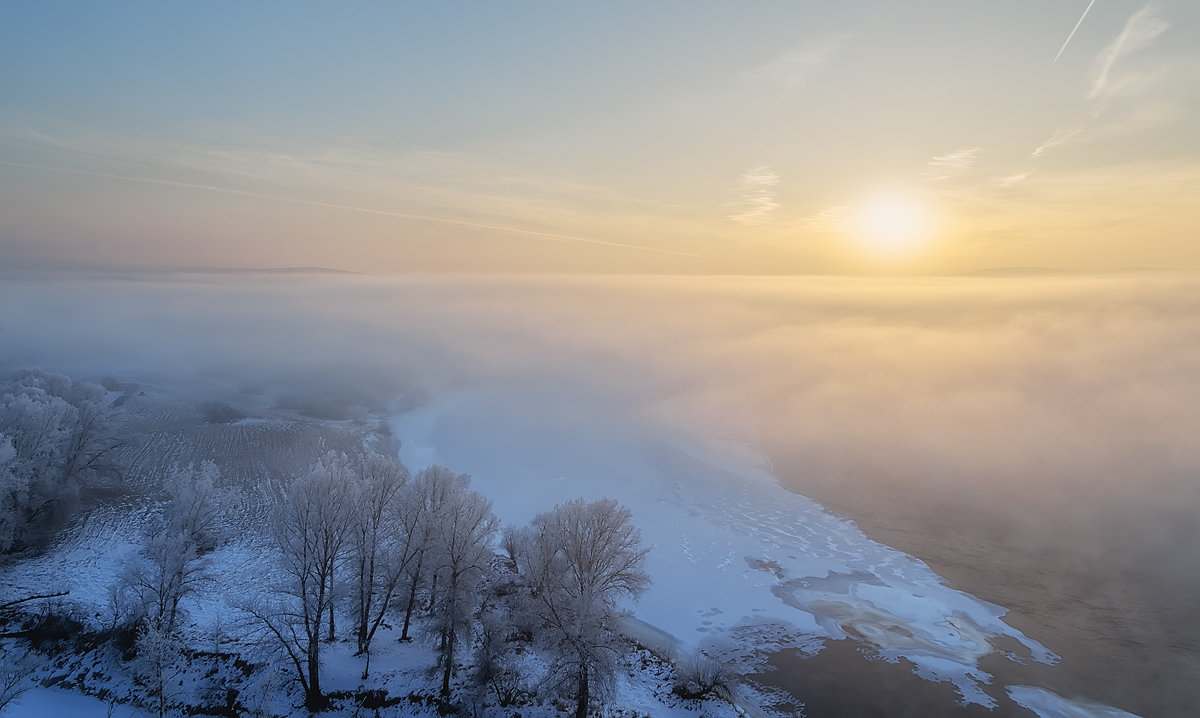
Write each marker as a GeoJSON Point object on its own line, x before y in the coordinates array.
{"type": "Point", "coordinates": [891, 224]}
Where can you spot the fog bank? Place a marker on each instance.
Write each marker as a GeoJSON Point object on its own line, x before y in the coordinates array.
{"type": "Point", "coordinates": [1079, 387]}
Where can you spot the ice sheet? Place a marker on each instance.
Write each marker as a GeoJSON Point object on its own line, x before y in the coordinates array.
{"type": "Point", "coordinates": [730, 548]}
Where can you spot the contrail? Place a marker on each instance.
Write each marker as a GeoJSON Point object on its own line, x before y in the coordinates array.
{"type": "Point", "coordinates": [1068, 40]}
{"type": "Point", "coordinates": [549, 236]}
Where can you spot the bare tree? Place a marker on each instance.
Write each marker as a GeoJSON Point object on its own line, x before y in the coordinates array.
{"type": "Point", "coordinates": [311, 526]}
{"type": "Point", "coordinates": [16, 673]}
{"type": "Point", "coordinates": [382, 543]}
{"type": "Point", "coordinates": [159, 660]}
{"type": "Point", "coordinates": [461, 553]}
{"type": "Point", "coordinates": [503, 627]}
{"type": "Point", "coordinates": [419, 517]}
{"type": "Point", "coordinates": [581, 559]}
{"type": "Point", "coordinates": [172, 564]}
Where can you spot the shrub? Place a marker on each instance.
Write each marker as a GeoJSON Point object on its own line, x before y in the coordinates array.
{"type": "Point", "coordinates": [699, 676]}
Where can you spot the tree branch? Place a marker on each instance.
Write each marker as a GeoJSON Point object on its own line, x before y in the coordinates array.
{"type": "Point", "coordinates": [10, 604]}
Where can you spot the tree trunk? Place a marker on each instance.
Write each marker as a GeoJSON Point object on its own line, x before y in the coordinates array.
{"type": "Point", "coordinates": [331, 633]}
{"type": "Point", "coordinates": [313, 700]}
{"type": "Point", "coordinates": [173, 613]}
{"type": "Point", "coordinates": [408, 610]}
{"type": "Point", "coordinates": [449, 667]}
{"type": "Point", "coordinates": [160, 693]}
{"type": "Point", "coordinates": [581, 707]}
{"type": "Point", "coordinates": [365, 590]}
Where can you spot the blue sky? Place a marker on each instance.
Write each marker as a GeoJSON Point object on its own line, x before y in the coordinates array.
{"type": "Point", "coordinates": [692, 137]}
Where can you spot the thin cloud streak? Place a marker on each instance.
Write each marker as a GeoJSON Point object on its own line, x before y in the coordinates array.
{"type": "Point", "coordinates": [952, 164]}
{"type": "Point", "coordinates": [1139, 32]}
{"type": "Point", "coordinates": [549, 236]}
{"type": "Point", "coordinates": [1073, 31]}
{"type": "Point", "coordinates": [793, 68]}
{"type": "Point", "coordinates": [1014, 179]}
{"type": "Point", "coordinates": [758, 187]}
{"type": "Point", "coordinates": [1142, 28]}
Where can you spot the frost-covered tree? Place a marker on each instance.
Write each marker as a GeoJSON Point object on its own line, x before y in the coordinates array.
{"type": "Point", "coordinates": [172, 564]}
{"type": "Point", "coordinates": [11, 491]}
{"type": "Point", "coordinates": [36, 426]}
{"type": "Point", "coordinates": [196, 504]}
{"type": "Point", "coordinates": [504, 626]}
{"type": "Point", "coordinates": [54, 433]}
{"type": "Point", "coordinates": [581, 559]}
{"type": "Point", "coordinates": [461, 554]}
{"type": "Point", "coordinates": [419, 518]}
{"type": "Point", "coordinates": [92, 438]}
{"type": "Point", "coordinates": [159, 660]}
{"type": "Point", "coordinates": [382, 544]}
{"type": "Point", "coordinates": [17, 671]}
{"type": "Point", "coordinates": [311, 526]}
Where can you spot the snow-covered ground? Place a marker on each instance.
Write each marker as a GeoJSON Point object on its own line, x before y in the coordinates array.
{"type": "Point", "coordinates": [87, 558]}
{"type": "Point", "coordinates": [733, 553]}
{"type": "Point", "coordinates": [404, 681]}
{"type": "Point", "coordinates": [46, 702]}
{"type": "Point", "coordinates": [740, 566]}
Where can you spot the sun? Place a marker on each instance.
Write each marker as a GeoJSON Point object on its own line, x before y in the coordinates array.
{"type": "Point", "coordinates": [891, 224]}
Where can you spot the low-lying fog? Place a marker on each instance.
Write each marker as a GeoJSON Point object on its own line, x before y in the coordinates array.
{"type": "Point", "coordinates": [1059, 412]}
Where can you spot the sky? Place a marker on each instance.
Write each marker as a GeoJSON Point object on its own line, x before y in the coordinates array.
{"type": "Point", "coordinates": [671, 137]}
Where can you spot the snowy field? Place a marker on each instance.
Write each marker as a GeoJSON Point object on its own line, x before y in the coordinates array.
{"type": "Point", "coordinates": [86, 561]}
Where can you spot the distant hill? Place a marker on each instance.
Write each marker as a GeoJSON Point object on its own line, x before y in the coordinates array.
{"type": "Point", "coordinates": [253, 270]}
{"type": "Point", "coordinates": [1054, 271]}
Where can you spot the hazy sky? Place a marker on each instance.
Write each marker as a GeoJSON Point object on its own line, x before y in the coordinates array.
{"type": "Point", "coordinates": [669, 137]}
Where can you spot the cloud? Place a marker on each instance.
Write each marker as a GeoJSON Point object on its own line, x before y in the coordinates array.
{"type": "Point", "coordinates": [522, 231]}
{"type": "Point", "coordinates": [1060, 137]}
{"type": "Point", "coordinates": [1013, 179]}
{"type": "Point", "coordinates": [1111, 87]}
{"type": "Point", "coordinates": [791, 69]}
{"type": "Point", "coordinates": [952, 164]}
{"type": "Point", "coordinates": [829, 219]}
{"type": "Point", "coordinates": [451, 189]}
{"type": "Point", "coordinates": [1142, 28]}
{"type": "Point", "coordinates": [758, 189]}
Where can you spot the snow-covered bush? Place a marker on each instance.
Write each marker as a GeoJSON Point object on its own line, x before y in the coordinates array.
{"type": "Point", "coordinates": [698, 676]}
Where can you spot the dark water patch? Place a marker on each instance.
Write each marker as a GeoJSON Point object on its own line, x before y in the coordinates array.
{"type": "Point", "coordinates": [1127, 627]}
{"type": "Point", "coordinates": [845, 680]}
